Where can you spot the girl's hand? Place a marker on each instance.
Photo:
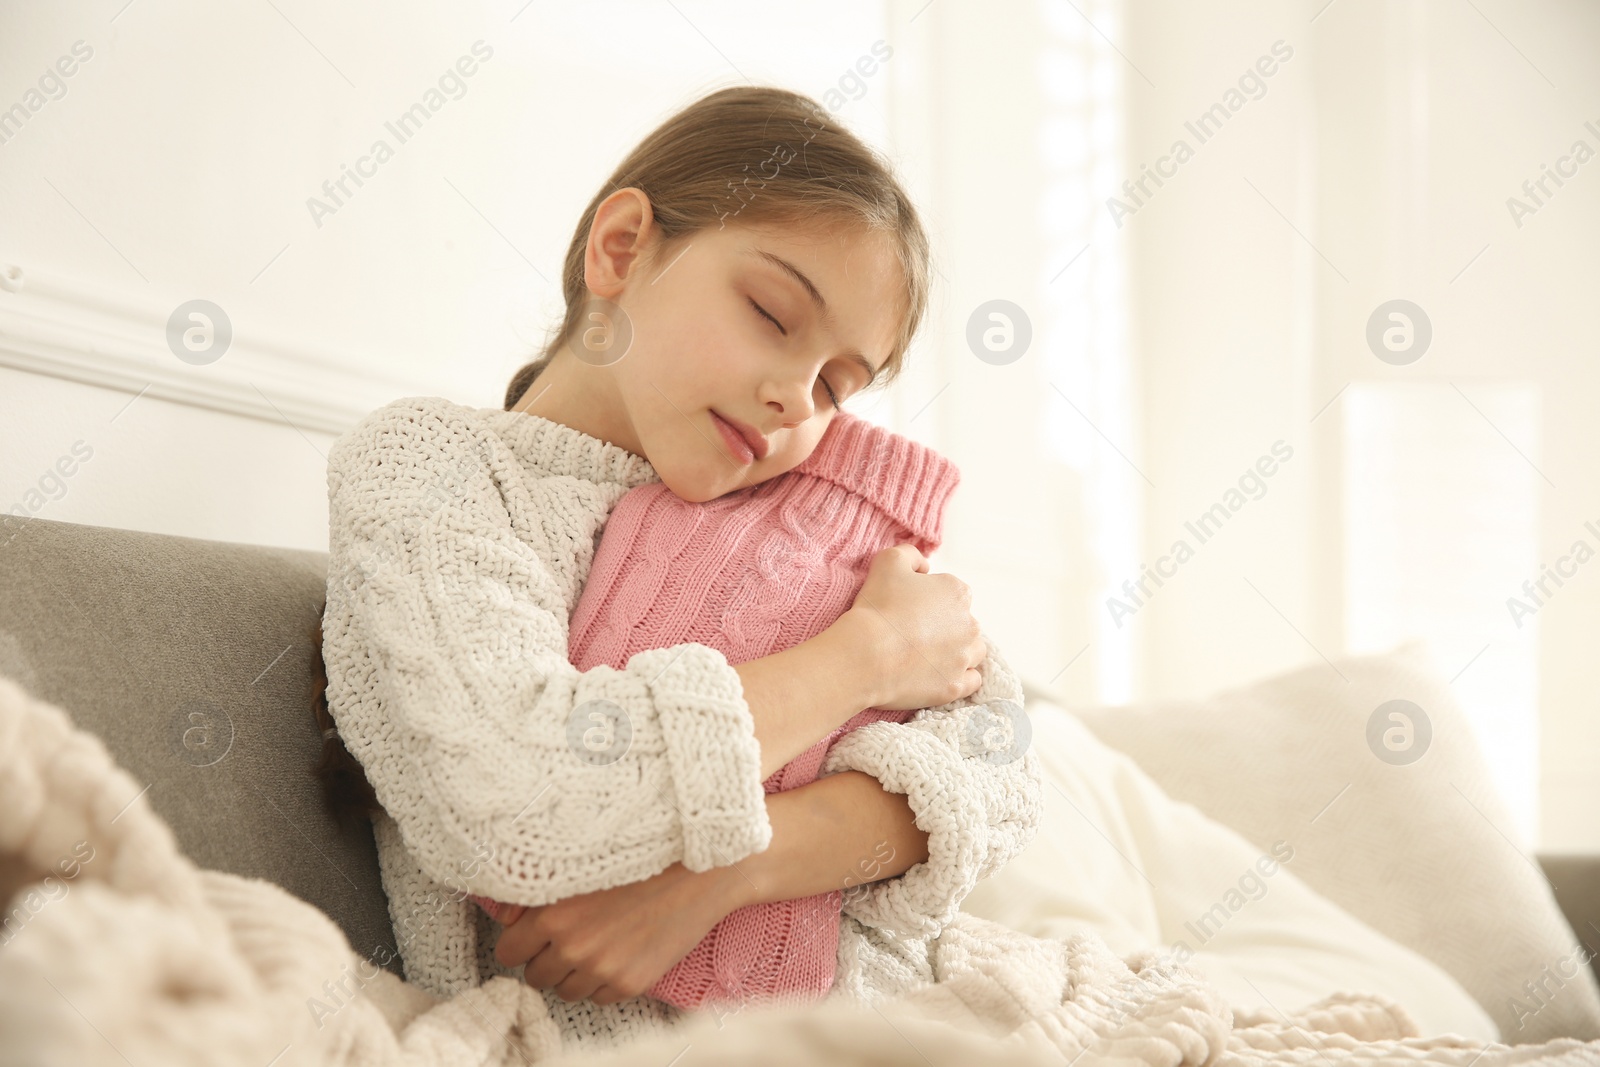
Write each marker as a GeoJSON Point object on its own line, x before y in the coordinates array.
{"type": "Point", "coordinates": [613, 944]}
{"type": "Point", "coordinates": [928, 641]}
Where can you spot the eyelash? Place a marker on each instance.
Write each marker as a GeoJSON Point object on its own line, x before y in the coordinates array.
{"type": "Point", "coordinates": [832, 396]}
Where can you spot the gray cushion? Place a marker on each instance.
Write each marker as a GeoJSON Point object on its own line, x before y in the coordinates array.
{"type": "Point", "coordinates": [192, 660]}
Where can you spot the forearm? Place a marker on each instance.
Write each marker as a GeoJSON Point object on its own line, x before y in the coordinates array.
{"type": "Point", "coordinates": [839, 831]}
{"type": "Point", "coordinates": [800, 694]}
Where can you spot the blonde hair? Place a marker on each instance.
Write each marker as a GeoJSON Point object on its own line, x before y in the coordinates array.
{"type": "Point", "coordinates": [761, 155]}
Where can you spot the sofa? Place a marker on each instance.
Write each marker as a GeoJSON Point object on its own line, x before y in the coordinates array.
{"type": "Point", "coordinates": [193, 660]}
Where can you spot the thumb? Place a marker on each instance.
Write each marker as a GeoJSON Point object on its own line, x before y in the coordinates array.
{"type": "Point", "coordinates": [919, 562]}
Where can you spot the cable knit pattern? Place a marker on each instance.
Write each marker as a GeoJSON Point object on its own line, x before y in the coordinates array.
{"type": "Point", "coordinates": [138, 957]}
{"type": "Point", "coordinates": [977, 798]}
{"type": "Point", "coordinates": [459, 541]}
{"type": "Point", "coordinates": [752, 573]}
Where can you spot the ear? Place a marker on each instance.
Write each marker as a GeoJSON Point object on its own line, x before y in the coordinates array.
{"type": "Point", "coordinates": [624, 226]}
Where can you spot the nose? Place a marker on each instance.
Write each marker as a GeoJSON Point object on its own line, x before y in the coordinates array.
{"type": "Point", "coordinates": [792, 396]}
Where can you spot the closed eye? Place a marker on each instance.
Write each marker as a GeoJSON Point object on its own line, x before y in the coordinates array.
{"type": "Point", "coordinates": [763, 311]}
{"type": "Point", "coordinates": [832, 396]}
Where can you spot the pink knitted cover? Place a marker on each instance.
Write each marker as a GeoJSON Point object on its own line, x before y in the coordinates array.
{"type": "Point", "coordinates": [751, 573]}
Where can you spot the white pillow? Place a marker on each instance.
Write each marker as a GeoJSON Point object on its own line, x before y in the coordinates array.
{"type": "Point", "coordinates": [1116, 855]}
{"type": "Point", "coordinates": [1414, 849]}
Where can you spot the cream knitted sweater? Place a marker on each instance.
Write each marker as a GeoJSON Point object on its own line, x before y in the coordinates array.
{"type": "Point", "coordinates": [459, 539]}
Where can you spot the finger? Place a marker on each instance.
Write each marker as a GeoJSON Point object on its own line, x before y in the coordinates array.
{"type": "Point", "coordinates": [978, 654]}
{"type": "Point", "coordinates": [519, 943]}
{"type": "Point", "coordinates": [606, 995]}
{"type": "Point", "coordinates": [578, 986]}
{"type": "Point", "coordinates": [510, 913]}
{"type": "Point", "coordinates": [909, 552]}
{"type": "Point", "coordinates": [547, 969]}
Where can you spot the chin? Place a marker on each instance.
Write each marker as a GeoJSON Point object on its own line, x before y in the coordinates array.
{"type": "Point", "coordinates": [700, 485]}
{"type": "Point", "coordinates": [697, 485]}
{"type": "Point", "coordinates": [695, 492]}
{"type": "Point", "coordinates": [703, 474]}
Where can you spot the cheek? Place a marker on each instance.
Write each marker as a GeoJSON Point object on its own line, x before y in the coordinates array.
{"type": "Point", "coordinates": [703, 364]}
{"type": "Point", "coordinates": [804, 442]}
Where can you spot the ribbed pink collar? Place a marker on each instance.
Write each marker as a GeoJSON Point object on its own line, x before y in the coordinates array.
{"type": "Point", "coordinates": [906, 479]}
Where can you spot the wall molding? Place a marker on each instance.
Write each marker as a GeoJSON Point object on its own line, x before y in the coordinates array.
{"type": "Point", "coordinates": [65, 328]}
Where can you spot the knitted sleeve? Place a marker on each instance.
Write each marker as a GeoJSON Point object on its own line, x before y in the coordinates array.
{"type": "Point", "coordinates": [510, 773]}
{"type": "Point", "coordinates": [974, 785]}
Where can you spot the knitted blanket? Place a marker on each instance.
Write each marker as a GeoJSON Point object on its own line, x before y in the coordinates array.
{"type": "Point", "coordinates": [118, 950]}
{"type": "Point", "coordinates": [752, 573]}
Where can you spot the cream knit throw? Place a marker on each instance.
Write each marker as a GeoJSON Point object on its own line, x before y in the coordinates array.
{"type": "Point", "coordinates": [118, 950]}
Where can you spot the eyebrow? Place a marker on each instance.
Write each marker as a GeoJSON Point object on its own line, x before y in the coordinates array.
{"type": "Point", "coordinates": [816, 298]}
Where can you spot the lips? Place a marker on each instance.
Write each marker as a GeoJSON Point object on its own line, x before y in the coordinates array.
{"type": "Point", "coordinates": [751, 436]}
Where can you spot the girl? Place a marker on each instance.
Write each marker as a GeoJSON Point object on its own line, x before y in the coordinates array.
{"type": "Point", "coordinates": [751, 573]}
{"type": "Point", "coordinates": [746, 268]}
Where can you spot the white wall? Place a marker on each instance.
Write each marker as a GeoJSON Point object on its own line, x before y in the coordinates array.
{"type": "Point", "coordinates": [178, 165]}
{"type": "Point", "coordinates": [1381, 159]}
{"type": "Point", "coordinates": [1169, 352]}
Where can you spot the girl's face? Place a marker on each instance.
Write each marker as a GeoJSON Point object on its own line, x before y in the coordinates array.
{"type": "Point", "coordinates": [739, 327]}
